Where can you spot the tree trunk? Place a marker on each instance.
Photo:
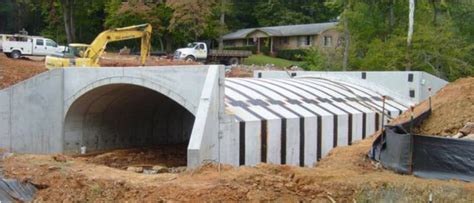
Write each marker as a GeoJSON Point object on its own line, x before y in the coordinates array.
{"type": "Point", "coordinates": [391, 16]}
{"type": "Point", "coordinates": [435, 12]}
{"type": "Point", "coordinates": [68, 7]}
{"type": "Point", "coordinates": [347, 39]}
{"type": "Point", "coordinates": [411, 21]}
{"type": "Point", "coordinates": [222, 24]}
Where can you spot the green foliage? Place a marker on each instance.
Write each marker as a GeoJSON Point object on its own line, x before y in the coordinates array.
{"type": "Point", "coordinates": [252, 48]}
{"type": "Point", "coordinates": [322, 59]}
{"type": "Point", "coordinates": [292, 54]}
{"type": "Point", "coordinates": [440, 41]}
{"type": "Point", "coordinates": [260, 59]}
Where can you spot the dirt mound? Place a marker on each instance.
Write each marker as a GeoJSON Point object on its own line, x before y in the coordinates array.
{"type": "Point", "coordinates": [453, 107]}
{"type": "Point", "coordinates": [13, 71]}
{"type": "Point", "coordinates": [344, 176]}
{"type": "Point", "coordinates": [116, 60]}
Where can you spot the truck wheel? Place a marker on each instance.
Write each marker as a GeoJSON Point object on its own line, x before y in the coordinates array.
{"type": "Point", "coordinates": [234, 61]}
{"type": "Point", "coordinates": [190, 58]}
{"type": "Point", "coordinates": [15, 54]}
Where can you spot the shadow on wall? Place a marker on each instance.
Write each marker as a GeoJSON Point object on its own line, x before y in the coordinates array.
{"type": "Point", "coordinates": [125, 116]}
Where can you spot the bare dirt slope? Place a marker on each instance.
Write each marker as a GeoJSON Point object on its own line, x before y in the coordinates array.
{"type": "Point", "coordinates": [13, 71]}
{"type": "Point", "coordinates": [452, 108]}
{"type": "Point", "coordinates": [344, 176]}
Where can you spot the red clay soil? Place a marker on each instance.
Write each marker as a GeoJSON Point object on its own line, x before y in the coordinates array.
{"type": "Point", "coordinates": [13, 71]}
{"type": "Point", "coordinates": [346, 175]}
{"type": "Point", "coordinates": [452, 108]}
{"type": "Point", "coordinates": [116, 60]}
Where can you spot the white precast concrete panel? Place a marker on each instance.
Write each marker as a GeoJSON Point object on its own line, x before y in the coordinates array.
{"type": "Point", "coordinates": [302, 119]}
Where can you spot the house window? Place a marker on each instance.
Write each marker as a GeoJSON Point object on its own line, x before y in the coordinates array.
{"type": "Point", "coordinates": [284, 40]}
{"type": "Point", "coordinates": [304, 41]}
{"type": "Point", "coordinates": [229, 43]}
{"type": "Point", "coordinates": [327, 41]}
{"type": "Point", "coordinates": [250, 42]}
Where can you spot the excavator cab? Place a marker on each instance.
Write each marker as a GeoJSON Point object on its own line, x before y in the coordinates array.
{"type": "Point", "coordinates": [75, 50]}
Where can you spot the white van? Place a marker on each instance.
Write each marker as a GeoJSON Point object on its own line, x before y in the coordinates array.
{"type": "Point", "coordinates": [21, 45]}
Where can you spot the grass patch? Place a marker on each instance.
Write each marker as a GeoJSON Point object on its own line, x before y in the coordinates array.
{"type": "Point", "coordinates": [263, 60]}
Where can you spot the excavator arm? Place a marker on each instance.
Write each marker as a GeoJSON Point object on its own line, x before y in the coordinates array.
{"type": "Point", "coordinates": [97, 47]}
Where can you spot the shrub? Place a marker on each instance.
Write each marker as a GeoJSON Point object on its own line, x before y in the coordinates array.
{"type": "Point", "coordinates": [244, 48]}
{"type": "Point", "coordinates": [292, 54]}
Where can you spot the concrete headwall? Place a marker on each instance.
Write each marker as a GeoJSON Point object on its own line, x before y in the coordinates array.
{"type": "Point", "coordinates": [100, 108]}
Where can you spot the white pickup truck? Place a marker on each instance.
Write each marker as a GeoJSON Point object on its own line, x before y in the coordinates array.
{"type": "Point", "coordinates": [18, 46]}
{"type": "Point", "coordinates": [198, 51]}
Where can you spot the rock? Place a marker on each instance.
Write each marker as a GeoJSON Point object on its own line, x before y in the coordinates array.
{"type": "Point", "coordinates": [52, 168]}
{"type": "Point", "coordinates": [160, 169]}
{"type": "Point", "coordinates": [124, 51]}
{"type": "Point", "coordinates": [136, 169]}
{"type": "Point", "coordinates": [178, 169]}
{"type": "Point", "coordinates": [149, 171]}
{"type": "Point", "coordinates": [467, 129]}
{"type": "Point", "coordinates": [468, 137]}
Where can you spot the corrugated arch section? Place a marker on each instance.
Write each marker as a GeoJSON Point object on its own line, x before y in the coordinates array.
{"type": "Point", "coordinates": [298, 121]}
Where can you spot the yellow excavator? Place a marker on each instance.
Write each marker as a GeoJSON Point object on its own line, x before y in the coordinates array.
{"type": "Point", "coordinates": [85, 55]}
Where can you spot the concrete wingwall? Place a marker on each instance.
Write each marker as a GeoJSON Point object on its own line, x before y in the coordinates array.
{"type": "Point", "coordinates": [103, 108]}
{"type": "Point", "coordinates": [31, 114]}
{"type": "Point", "coordinates": [204, 143]}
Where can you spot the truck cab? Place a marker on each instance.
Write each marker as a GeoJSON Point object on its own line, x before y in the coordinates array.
{"type": "Point", "coordinates": [199, 51]}
{"type": "Point", "coordinates": [21, 45]}
{"type": "Point", "coordinates": [195, 51]}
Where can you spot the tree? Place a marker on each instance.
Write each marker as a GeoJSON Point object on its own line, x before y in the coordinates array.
{"type": "Point", "coordinates": [68, 16]}
{"type": "Point", "coordinates": [411, 21]}
{"type": "Point", "coordinates": [190, 17]}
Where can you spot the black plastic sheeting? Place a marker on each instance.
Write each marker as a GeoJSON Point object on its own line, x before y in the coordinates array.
{"type": "Point", "coordinates": [423, 155]}
{"type": "Point", "coordinates": [13, 191]}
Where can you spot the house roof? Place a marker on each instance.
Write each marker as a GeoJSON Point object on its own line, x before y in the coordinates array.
{"type": "Point", "coordinates": [280, 31]}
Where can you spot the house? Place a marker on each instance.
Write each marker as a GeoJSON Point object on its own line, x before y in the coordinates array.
{"type": "Point", "coordinates": [286, 37]}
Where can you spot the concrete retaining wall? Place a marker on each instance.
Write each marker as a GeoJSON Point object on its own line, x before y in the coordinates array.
{"type": "Point", "coordinates": [410, 86]}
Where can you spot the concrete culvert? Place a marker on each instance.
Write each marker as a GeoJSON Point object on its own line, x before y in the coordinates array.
{"type": "Point", "coordinates": [122, 116]}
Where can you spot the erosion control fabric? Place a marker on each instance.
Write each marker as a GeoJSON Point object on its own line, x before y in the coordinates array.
{"type": "Point", "coordinates": [14, 191]}
{"type": "Point", "coordinates": [423, 155]}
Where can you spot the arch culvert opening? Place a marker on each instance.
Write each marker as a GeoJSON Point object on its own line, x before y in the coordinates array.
{"type": "Point", "coordinates": [129, 127]}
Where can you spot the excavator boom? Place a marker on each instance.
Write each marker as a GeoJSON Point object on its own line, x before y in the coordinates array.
{"type": "Point", "coordinates": [97, 47]}
{"type": "Point", "coordinates": [91, 56]}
